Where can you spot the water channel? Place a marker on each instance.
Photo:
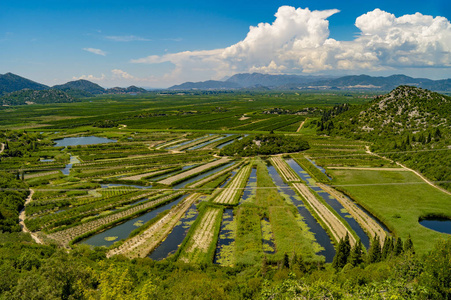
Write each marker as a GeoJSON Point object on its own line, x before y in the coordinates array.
{"type": "Point", "coordinates": [82, 140]}
{"type": "Point", "coordinates": [122, 231]}
{"type": "Point", "coordinates": [320, 234]}
{"type": "Point", "coordinates": [224, 254]}
{"type": "Point", "coordinates": [337, 206]}
{"type": "Point", "coordinates": [200, 176]}
{"type": "Point", "coordinates": [176, 236]}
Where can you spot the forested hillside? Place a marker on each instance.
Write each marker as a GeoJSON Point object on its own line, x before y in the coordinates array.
{"type": "Point", "coordinates": [27, 96]}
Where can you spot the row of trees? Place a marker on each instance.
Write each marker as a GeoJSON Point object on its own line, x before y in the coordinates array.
{"type": "Point", "coordinates": [355, 256]}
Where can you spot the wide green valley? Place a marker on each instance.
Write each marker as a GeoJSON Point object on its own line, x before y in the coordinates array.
{"type": "Point", "coordinates": [227, 195]}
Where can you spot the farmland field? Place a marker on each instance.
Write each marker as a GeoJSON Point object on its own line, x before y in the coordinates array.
{"type": "Point", "coordinates": [165, 161]}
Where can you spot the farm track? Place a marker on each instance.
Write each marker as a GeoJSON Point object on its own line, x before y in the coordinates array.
{"type": "Point", "coordinates": [200, 169]}
{"type": "Point", "coordinates": [2, 147]}
{"type": "Point", "coordinates": [336, 227]}
{"type": "Point", "coordinates": [408, 169]}
{"type": "Point", "coordinates": [215, 175]}
{"type": "Point", "coordinates": [367, 169]}
{"type": "Point", "coordinates": [142, 244]}
{"type": "Point", "coordinates": [368, 224]}
{"type": "Point", "coordinates": [229, 193]}
{"type": "Point", "coordinates": [203, 236]}
{"type": "Point", "coordinates": [22, 217]}
{"type": "Point", "coordinates": [64, 237]}
{"type": "Point", "coordinates": [284, 169]}
{"type": "Point", "coordinates": [302, 124]}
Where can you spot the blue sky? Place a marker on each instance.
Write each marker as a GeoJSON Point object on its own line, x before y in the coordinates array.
{"type": "Point", "coordinates": [160, 43]}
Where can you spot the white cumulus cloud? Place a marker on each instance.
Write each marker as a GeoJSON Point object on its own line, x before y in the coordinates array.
{"type": "Point", "coordinates": [95, 51]}
{"type": "Point", "coordinates": [298, 42]}
{"type": "Point", "coordinates": [121, 74]}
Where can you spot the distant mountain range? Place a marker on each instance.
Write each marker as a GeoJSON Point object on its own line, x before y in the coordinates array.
{"type": "Point", "coordinates": [78, 89]}
{"type": "Point", "coordinates": [257, 81]}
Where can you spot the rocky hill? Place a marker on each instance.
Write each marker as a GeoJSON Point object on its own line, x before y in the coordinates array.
{"type": "Point", "coordinates": [410, 125]}
{"type": "Point", "coordinates": [10, 82]}
{"type": "Point", "coordinates": [27, 96]}
{"type": "Point", "coordinates": [405, 109]}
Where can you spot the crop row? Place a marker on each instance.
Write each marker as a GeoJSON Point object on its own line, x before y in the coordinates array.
{"type": "Point", "coordinates": [215, 175]}
{"type": "Point", "coordinates": [75, 214]}
{"type": "Point", "coordinates": [179, 177]}
{"type": "Point", "coordinates": [284, 169]}
{"type": "Point", "coordinates": [311, 168]}
{"type": "Point", "coordinates": [64, 237]}
{"type": "Point", "coordinates": [232, 192]}
{"type": "Point", "coordinates": [141, 245]}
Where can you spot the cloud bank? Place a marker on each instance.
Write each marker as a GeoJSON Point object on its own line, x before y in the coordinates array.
{"type": "Point", "coordinates": [298, 42]}
{"type": "Point", "coordinates": [95, 51]}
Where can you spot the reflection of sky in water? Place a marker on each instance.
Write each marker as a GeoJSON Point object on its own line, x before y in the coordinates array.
{"type": "Point", "coordinates": [176, 236]}
{"type": "Point", "coordinates": [122, 231]}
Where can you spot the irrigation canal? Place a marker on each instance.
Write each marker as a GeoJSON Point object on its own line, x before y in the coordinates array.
{"type": "Point", "coordinates": [176, 236]}
{"type": "Point", "coordinates": [331, 201]}
{"type": "Point", "coordinates": [122, 231]}
{"type": "Point", "coordinates": [320, 234]}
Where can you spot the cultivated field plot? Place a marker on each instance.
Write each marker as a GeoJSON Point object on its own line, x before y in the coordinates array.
{"type": "Point", "coordinates": [330, 220]}
{"type": "Point", "coordinates": [64, 237]}
{"type": "Point", "coordinates": [399, 199]}
{"type": "Point", "coordinates": [185, 175]}
{"type": "Point", "coordinates": [142, 244]}
{"type": "Point", "coordinates": [343, 153]}
{"type": "Point", "coordinates": [371, 227]}
{"type": "Point", "coordinates": [232, 192]}
{"type": "Point", "coordinates": [215, 175]}
{"type": "Point", "coordinates": [284, 169]}
{"type": "Point", "coordinates": [202, 240]}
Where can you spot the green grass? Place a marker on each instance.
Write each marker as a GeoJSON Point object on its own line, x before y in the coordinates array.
{"type": "Point", "coordinates": [399, 199]}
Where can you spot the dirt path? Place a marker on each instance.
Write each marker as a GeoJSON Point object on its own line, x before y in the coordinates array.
{"type": "Point", "coordinates": [408, 169]}
{"type": "Point", "coordinates": [22, 217]}
{"type": "Point", "coordinates": [302, 124]}
{"type": "Point", "coordinates": [2, 148]}
{"type": "Point", "coordinates": [367, 169]}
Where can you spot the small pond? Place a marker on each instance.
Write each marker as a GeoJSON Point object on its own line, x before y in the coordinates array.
{"type": "Point", "coordinates": [437, 224]}
{"type": "Point", "coordinates": [82, 140]}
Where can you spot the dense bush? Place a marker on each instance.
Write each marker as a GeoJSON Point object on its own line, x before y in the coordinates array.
{"type": "Point", "coordinates": [265, 145]}
{"type": "Point", "coordinates": [13, 193]}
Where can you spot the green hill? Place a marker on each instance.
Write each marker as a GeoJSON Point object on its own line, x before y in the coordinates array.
{"type": "Point", "coordinates": [27, 96]}
{"type": "Point", "coordinates": [83, 85]}
{"type": "Point", "coordinates": [10, 83]}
